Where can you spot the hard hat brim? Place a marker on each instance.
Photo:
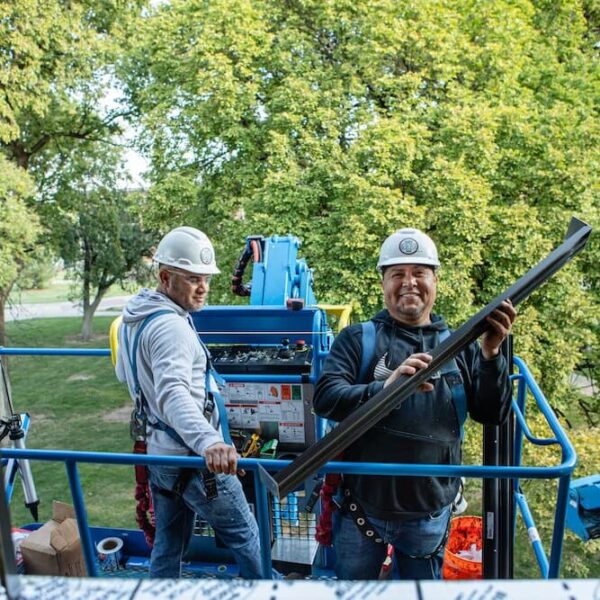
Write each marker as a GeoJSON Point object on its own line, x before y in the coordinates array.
{"type": "Point", "coordinates": [185, 266]}
{"type": "Point", "coordinates": [428, 262]}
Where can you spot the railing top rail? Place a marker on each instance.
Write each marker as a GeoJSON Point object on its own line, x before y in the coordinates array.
{"type": "Point", "coordinates": [54, 351]}
{"type": "Point", "coordinates": [354, 468]}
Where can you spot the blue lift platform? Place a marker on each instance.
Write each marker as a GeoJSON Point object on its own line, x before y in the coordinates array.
{"type": "Point", "coordinates": [270, 353]}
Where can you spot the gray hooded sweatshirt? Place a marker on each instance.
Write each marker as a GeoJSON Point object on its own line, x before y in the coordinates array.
{"type": "Point", "coordinates": [171, 367]}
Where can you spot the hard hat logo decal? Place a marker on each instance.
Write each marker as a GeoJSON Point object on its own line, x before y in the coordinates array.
{"type": "Point", "coordinates": [206, 256]}
{"type": "Point", "coordinates": [408, 246]}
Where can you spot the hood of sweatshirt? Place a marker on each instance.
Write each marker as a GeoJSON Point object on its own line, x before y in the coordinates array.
{"type": "Point", "coordinates": [147, 302]}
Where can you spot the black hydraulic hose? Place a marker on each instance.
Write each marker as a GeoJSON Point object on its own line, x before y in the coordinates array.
{"type": "Point", "coordinates": [253, 250]}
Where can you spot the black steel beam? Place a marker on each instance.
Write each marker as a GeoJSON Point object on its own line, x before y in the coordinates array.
{"type": "Point", "coordinates": [369, 414]}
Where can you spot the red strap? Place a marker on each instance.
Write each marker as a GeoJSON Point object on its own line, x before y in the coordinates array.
{"type": "Point", "coordinates": [141, 472]}
{"type": "Point", "coordinates": [144, 511]}
{"type": "Point", "coordinates": [323, 533]}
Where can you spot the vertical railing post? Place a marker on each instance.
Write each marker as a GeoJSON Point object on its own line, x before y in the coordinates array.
{"type": "Point", "coordinates": [82, 523]}
{"type": "Point", "coordinates": [518, 442]}
{"type": "Point", "coordinates": [8, 568]}
{"type": "Point", "coordinates": [507, 457]}
{"type": "Point", "coordinates": [491, 505]}
{"type": "Point", "coordinates": [560, 516]}
{"type": "Point", "coordinates": [264, 525]}
{"type": "Point", "coordinates": [497, 492]}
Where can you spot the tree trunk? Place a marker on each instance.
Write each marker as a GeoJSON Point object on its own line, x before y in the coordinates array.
{"type": "Point", "coordinates": [4, 294]}
{"type": "Point", "coordinates": [88, 313]}
{"type": "Point", "coordinates": [89, 310]}
{"type": "Point", "coordinates": [3, 297]}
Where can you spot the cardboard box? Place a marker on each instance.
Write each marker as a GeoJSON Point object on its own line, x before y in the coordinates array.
{"type": "Point", "coordinates": [55, 548]}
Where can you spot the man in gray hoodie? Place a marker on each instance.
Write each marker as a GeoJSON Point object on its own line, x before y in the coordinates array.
{"type": "Point", "coordinates": [164, 365]}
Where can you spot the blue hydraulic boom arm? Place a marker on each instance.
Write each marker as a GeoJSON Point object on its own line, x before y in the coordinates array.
{"type": "Point", "coordinates": [279, 277]}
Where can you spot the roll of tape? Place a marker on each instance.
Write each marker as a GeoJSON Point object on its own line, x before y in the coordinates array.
{"type": "Point", "coordinates": [110, 553]}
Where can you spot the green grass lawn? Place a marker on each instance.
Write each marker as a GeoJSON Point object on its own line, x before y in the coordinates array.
{"type": "Point", "coordinates": [76, 403]}
{"type": "Point", "coordinates": [57, 291]}
{"type": "Point", "coordinates": [73, 403]}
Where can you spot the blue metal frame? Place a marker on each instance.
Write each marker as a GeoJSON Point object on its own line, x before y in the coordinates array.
{"type": "Point", "coordinates": [563, 472]}
{"type": "Point", "coordinates": [549, 566]}
{"type": "Point", "coordinates": [281, 275]}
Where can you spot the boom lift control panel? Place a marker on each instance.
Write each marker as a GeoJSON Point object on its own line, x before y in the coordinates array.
{"type": "Point", "coordinates": [286, 358]}
{"type": "Point", "coordinates": [269, 352]}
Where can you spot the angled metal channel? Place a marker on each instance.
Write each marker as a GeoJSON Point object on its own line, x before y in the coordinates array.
{"type": "Point", "coordinates": [369, 414]}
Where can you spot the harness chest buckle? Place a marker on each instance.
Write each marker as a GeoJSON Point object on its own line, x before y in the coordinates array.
{"type": "Point", "coordinates": [138, 426]}
{"type": "Point", "coordinates": [209, 405]}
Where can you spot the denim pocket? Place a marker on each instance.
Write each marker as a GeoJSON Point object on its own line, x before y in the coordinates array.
{"type": "Point", "coordinates": [438, 514]}
{"type": "Point", "coordinates": [164, 477]}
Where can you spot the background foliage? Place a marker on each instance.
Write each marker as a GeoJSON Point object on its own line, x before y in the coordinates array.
{"type": "Point", "coordinates": [94, 222]}
{"type": "Point", "coordinates": [57, 61]}
{"type": "Point", "coordinates": [342, 121]}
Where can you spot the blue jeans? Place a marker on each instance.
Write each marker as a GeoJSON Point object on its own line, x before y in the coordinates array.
{"type": "Point", "coordinates": [359, 557]}
{"type": "Point", "coordinates": [228, 514]}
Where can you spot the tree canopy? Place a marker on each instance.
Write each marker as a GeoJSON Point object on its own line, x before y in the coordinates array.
{"type": "Point", "coordinates": [93, 222]}
{"type": "Point", "coordinates": [57, 60]}
{"type": "Point", "coordinates": [338, 121]}
{"type": "Point", "coordinates": [18, 228]}
{"type": "Point", "coordinates": [341, 121]}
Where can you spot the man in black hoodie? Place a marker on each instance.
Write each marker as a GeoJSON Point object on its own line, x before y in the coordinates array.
{"type": "Point", "coordinates": [411, 513]}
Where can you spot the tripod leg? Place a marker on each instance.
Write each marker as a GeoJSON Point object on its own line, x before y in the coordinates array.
{"type": "Point", "coordinates": [17, 434]}
{"type": "Point", "coordinates": [29, 491]}
{"type": "Point", "coordinates": [21, 467]}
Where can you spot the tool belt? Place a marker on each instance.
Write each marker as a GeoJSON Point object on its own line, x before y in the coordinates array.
{"type": "Point", "coordinates": [350, 506]}
{"type": "Point", "coordinates": [209, 481]}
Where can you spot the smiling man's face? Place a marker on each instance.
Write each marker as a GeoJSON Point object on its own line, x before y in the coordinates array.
{"type": "Point", "coordinates": [409, 292]}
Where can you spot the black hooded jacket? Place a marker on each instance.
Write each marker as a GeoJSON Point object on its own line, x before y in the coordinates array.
{"type": "Point", "coordinates": [423, 429]}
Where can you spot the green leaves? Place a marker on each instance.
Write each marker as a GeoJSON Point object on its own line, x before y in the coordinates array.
{"type": "Point", "coordinates": [19, 228]}
{"type": "Point", "coordinates": [341, 122]}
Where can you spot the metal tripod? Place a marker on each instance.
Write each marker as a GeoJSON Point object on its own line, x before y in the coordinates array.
{"type": "Point", "coordinates": [11, 425]}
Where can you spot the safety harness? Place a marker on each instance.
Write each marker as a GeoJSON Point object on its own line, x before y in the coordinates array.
{"type": "Point", "coordinates": [139, 424]}
{"type": "Point", "coordinates": [333, 481]}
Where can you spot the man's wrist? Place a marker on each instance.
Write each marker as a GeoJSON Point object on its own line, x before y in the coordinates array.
{"type": "Point", "coordinates": [488, 354]}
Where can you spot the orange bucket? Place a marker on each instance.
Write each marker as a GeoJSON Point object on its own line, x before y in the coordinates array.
{"type": "Point", "coordinates": [464, 539]}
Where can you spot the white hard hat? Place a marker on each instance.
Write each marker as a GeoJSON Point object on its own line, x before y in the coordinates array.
{"type": "Point", "coordinates": [189, 249]}
{"type": "Point", "coordinates": [408, 247]}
